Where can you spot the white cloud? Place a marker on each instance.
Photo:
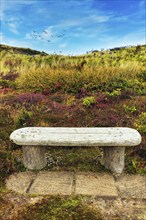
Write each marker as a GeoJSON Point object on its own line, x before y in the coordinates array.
{"type": "Point", "coordinates": [128, 39]}
{"type": "Point", "coordinates": [13, 24]}
{"type": "Point", "coordinates": [71, 23]}
{"type": "Point", "coordinates": [63, 45]}
{"type": "Point", "coordinates": [83, 21]}
{"type": "Point", "coordinates": [15, 4]}
{"type": "Point", "coordinates": [28, 36]}
{"type": "Point", "coordinates": [99, 18]}
{"type": "Point", "coordinates": [1, 15]}
{"type": "Point", "coordinates": [142, 3]}
{"type": "Point", "coordinates": [16, 43]}
{"type": "Point", "coordinates": [133, 38]}
{"type": "Point", "coordinates": [121, 18]}
{"type": "Point", "coordinates": [13, 28]}
{"type": "Point", "coordinates": [13, 19]}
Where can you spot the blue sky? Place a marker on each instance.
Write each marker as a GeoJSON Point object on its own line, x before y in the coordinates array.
{"type": "Point", "coordinates": [72, 26]}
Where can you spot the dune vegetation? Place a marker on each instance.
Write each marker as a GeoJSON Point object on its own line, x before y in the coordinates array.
{"type": "Point", "coordinates": [104, 88]}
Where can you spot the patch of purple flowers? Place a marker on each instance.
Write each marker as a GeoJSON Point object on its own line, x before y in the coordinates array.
{"type": "Point", "coordinates": [10, 76]}
{"type": "Point", "coordinates": [82, 93]}
{"type": "Point", "coordinates": [102, 99]}
{"type": "Point", "coordinates": [29, 98]}
{"type": "Point", "coordinates": [5, 90]}
{"type": "Point", "coordinates": [102, 105]}
{"type": "Point", "coordinates": [9, 63]}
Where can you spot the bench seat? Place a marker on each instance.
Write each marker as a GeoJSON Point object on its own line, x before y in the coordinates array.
{"type": "Point", "coordinates": [76, 136]}
{"type": "Point", "coordinates": [112, 139]}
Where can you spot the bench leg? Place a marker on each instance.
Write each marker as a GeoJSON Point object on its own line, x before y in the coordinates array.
{"type": "Point", "coordinates": [34, 157]}
{"type": "Point", "coordinates": [113, 158]}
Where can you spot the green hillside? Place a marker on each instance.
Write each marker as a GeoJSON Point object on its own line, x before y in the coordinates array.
{"type": "Point", "coordinates": [96, 71]}
{"type": "Point", "coordinates": [104, 88]}
{"type": "Point", "coordinates": [19, 50]}
{"type": "Point", "coordinates": [99, 88]}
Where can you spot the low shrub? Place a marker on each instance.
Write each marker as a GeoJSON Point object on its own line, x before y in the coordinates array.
{"type": "Point", "coordinates": [8, 162]}
{"type": "Point", "coordinates": [26, 99]}
{"type": "Point", "coordinates": [82, 93]}
{"type": "Point", "coordinates": [88, 101]}
{"type": "Point", "coordinates": [23, 118]}
{"type": "Point", "coordinates": [142, 76]}
{"type": "Point", "coordinates": [128, 108]}
{"type": "Point", "coordinates": [97, 78]}
{"type": "Point", "coordinates": [116, 84]}
{"type": "Point", "coordinates": [70, 101]}
{"type": "Point", "coordinates": [6, 124]}
{"type": "Point", "coordinates": [140, 122]}
{"type": "Point", "coordinates": [4, 83]}
{"type": "Point", "coordinates": [11, 76]}
{"type": "Point", "coordinates": [114, 93]}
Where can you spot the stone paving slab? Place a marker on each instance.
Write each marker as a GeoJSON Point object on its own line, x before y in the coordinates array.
{"type": "Point", "coordinates": [101, 184]}
{"type": "Point", "coordinates": [122, 186]}
{"type": "Point", "coordinates": [52, 183]}
{"type": "Point", "coordinates": [20, 182]}
{"type": "Point", "coordinates": [131, 186]}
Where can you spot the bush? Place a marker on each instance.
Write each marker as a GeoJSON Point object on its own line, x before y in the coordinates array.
{"type": "Point", "coordinates": [140, 122]}
{"type": "Point", "coordinates": [23, 119]}
{"type": "Point", "coordinates": [28, 99]}
{"type": "Point", "coordinates": [115, 84]}
{"type": "Point", "coordinates": [89, 101]}
{"type": "Point", "coordinates": [6, 124]}
{"type": "Point", "coordinates": [101, 78]}
{"type": "Point", "coordinates": [11, 76]}
{"type": "Point", "coordinates": [114, 93]}
{"type": "Point", "coordinates": [9, 163]}
{"type": "Point", "coordinates": [70, 101]}
{"type": "Point", "coordinates": [143, 76]}
{"type": "Point", "coordinates": [131, 109]}
{"type": "Point", "coordinates": [4, 83]}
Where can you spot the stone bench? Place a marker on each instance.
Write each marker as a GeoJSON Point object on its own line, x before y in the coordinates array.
{"type": "Point", "coordinates": [113, 140]}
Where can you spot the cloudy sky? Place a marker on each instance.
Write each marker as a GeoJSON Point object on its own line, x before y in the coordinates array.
{"type": "Point", "coordinates": [72, 26]}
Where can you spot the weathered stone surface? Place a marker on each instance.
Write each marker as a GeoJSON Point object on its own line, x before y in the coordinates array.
{"type": "Point", "coordinates": [34, 157]}
{"type": "Point", "coordinates": [53, 183]}
{"type": "Point", "coordinates": [114, 136]}
{"type": "Point", "coordinates": [118, 209]}
{"type": "Point", "coordinates": [131, 186]}
{"type": "Point", "coordinates": [100, 185]}
{"type": "Point", "coordinates": [95, 184]}
{"type": "Point", "coordinates": [113, 158]}
{"type": "Point", "coordinates": [20, 182]}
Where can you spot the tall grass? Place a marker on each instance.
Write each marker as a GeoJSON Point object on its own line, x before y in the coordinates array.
{"type": "Point", "coordinates": [72, 80]}
{"type": "Point", "coordinates": [103, 71]}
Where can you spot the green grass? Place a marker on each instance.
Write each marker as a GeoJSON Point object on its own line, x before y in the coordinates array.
{"type": "Point", "coordinates": [55, 208]}
{"type": "Point", "coordinates": [102, 71]}
{"type": "Point", "coordinates": [74, 159]}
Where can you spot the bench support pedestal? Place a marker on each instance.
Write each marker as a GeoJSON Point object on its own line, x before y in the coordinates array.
{"type": "Point", "coordinates": [34, 157]}
{"type": "Point", "coordinates": [113, 158]}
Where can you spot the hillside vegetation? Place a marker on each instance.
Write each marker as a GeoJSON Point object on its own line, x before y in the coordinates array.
{"type": "Point", "coordinates": [100, 88]}
{"type": "Point", "coordinates": [98, 71]}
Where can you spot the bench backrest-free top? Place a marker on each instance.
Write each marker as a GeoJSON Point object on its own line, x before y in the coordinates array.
{"type": "Point", "coordinates": [76, 136]}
